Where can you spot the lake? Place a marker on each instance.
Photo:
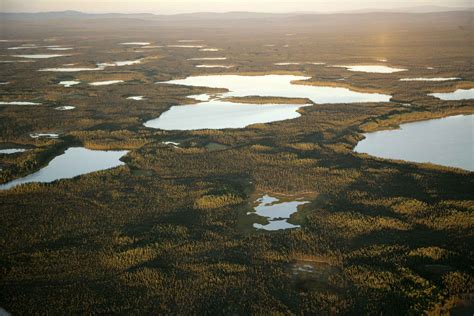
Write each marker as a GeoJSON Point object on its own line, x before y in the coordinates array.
{"type": "Point", "coordinates": [40, 56]}
{"type": "Point", "coordinates": [378, 69]}
{"type": "Point", "coordinates": [10, 151]}
{"type": "Point", "coordinates": [18, 103]}
{"type": "Point", "coordinates": [69, 84]}
{"type": "Point", "coordinates": [220, 114]}
{"type": "Point", "coordinates": [136, 98]}
{"type": "Point", "coordinates": [73, 162]}
{"type": "Point", "coordinates": [105, 83]}
{"type": "Point", "coordinates": [214, 66]}
{"type": "Point", "coordinates": [447, 141]}
{"type": "Point", "coordinates": [279, 86]}
{"type": "Point", "coordinates": [435, 79]}
{"type": "Point", "coordinates": [459, 94]}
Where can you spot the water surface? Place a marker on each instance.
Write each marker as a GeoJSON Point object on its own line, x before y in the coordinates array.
{"type": "Point", "coordinates": [73, 162]}
{"type": "Point", "coordinates": [279, 86]}
{"type": "Point", "coordinates": [185, 46]}
{"type": "Point", "coordinates": [65, 108]}
{"type": "Point", "coordinates": [136, 43]}
{"type": "Point", "coordinates": [10, 151]}
{"type": "Point", "coordinates": [99, 66]}
{"type": "Point", "coordinates": [219, 114]}
{"type": "Point", "coordinates": [214, 66]}
{"type": "Point", "coordinates": [19, 103]}
{"type": "Point", "coordinates": [71, 69]}
{"type": "Point", "coordinates": [44, 135]}
{"type": "Point", "coordinates": [460, 94]}
{"type": "Point", "coordinates": [105, 83]}
{"type": "Point", "coordinates": [136, 98]}
{"type": "Point", "coordinates": [60, 48]}
{"type": "Point", "coordinates": [372, 68]}
{"type": "Point", "coordinates": [447, 141]}
{"type": "Point", "coordinates": [276, 213]}
{"type": "Point", "coordinates": [190, 41]}
{"type": "Point", "coordinates": [69, 84]}
{"type": "Point", "coordinates": [436, 79]}
{"type": "Point", "coordinates": [40, 56]}
{"type": "Point", "coordinates": [209, 50]}
{"type": "Point", "coordinates": [120, 63]}
{"type": "Point", "coordinates": [208, 58]}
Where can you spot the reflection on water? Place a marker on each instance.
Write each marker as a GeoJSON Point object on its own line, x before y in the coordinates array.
{"type": "Point", "coordinates": [460, 94]}
{"type": "Point", "coordinates": [436, 79]}
{"type": "Point", "coordinates": [40, 56]}
{"type": "Point", "coordinates": [221, 115]}
{"type": "Point", "coordinates": [447, 141]}
{"type": "Point", "coordinates": [216, 114]}
{"type": "Point", "coordinates": [19, 103]}
{"type": "Point", "coordinates": [10, 151]}
{"type": "Point", "coordinates": [279, 86]}
{"type": "Point", "coordinates": [69, 84]}
{"type": "Point", "coordinates": [372, 69]}
{"type": "Point", "coordinates": [74, 162]}
{"type": "Point", "coordinates": [105, 83]}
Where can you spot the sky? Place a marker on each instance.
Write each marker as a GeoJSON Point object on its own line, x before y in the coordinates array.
{"type": "Point", "coordinates": [187, 6]}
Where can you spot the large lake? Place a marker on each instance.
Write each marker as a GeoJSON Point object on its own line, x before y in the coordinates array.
{"type": "Point", "coordinates": [459, 94]}
{"type": "Point", "coordinates": [74, 162]}
{"type": "Point", "coordinates": [279, 86]}
{"type": "Point", "coordinates": [447, 141]}
{"type": "Point", "coordinates": [219, 114]}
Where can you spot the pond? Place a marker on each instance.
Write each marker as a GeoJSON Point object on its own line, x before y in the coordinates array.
{"type": "Point", "coordinates": [276, 213]}
{"type": "Point", "coordinates": [61, 48]}
{"type": "Point", "coordinates": [120, 63]}
{"type": "Point", "coordinates": [99, 66]}
{"type": "Point", "coordinates": [19, 103]}
{"type": "Point", "coordinates": [136, 43]}
{"type": "Point", "coordinates": [40, 56]}
{"type": "Point", "coordinates": [208, 58]}
{"type": "Point", "coordinates": [105, 83]}
{"type": "Point", "coordinates": [70, 83]}
{"type": "Point", "coordinates": [44, 135]}
{"type": "Point", "coordinates": [214, 66]}
{"type": "Point", "coordinates": [65, 108]}
{"type": "Point", "coordinates": [378, 69]}
{"type": "Point", "coordinates": [136, 98]}
{"type": "Point", "coordinates": [73, 162]}
{"type": "Point", "coordinates": [185, 46]}
{"type": "Point", "coordinates": [71, 69]}
{"type": "Point", "coordinates": [447, 141]}
{"type": "Point", "coordinates": [209, 50]}
{"type": "Point", "coordinates": [436, 79]}
{"type": "Point", "coordinates": [10, 151]}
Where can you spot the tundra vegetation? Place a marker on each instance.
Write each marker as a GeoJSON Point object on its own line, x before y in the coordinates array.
{"type": "Point", "coordinates": [168, 232]}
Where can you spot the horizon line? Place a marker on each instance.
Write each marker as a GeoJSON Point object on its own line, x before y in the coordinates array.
{"type": "Point", "coordinates": [357, 11]}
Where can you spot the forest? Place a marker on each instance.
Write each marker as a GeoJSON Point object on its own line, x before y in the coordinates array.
{"type": "Point", "coordinates": [169, 232]}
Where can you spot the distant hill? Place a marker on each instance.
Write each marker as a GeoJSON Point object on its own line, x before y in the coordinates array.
{"type": "Point", "coordinates": [417, 9]}
{"type": "Point", "coordinates": [70, 15]}
{"type": "Point", "coordinates": [239, 15]}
